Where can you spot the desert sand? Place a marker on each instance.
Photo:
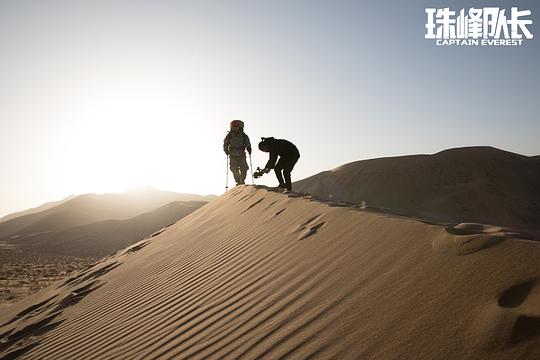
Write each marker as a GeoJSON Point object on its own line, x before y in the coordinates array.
{"type": "Point", "coordinates": [261, 274]}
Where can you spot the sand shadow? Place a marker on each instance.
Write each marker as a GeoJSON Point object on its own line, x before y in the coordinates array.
{"type": "Point", "coordinates": [516, 295]}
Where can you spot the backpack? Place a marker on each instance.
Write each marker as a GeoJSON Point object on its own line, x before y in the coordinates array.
{"type": "Point", "coordinates": [244, 136]}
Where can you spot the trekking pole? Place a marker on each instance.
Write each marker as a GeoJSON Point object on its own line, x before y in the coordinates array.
{"type": "Point", "coordinates": [251, 170]}
{"type": "Point", "coordinates": [227, 174]}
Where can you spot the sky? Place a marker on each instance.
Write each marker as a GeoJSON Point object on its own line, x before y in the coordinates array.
{"type": "Point", "coordinates": [102, 96]}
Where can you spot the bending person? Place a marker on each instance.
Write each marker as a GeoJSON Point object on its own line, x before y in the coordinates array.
{"type": "Point", "coordinates": [288, 156]}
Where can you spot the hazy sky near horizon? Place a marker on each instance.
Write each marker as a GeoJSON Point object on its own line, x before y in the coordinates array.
{"type": "Point", "coordinates": [101, 96]}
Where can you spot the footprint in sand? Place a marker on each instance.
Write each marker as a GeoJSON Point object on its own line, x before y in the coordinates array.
{"type": "Point", "coordinates": [516, 295]}
{"type": "Point", "coordinates": [465, 239]}
{"type": "Point", "coordinates": [525, 328]}
{"type": "Point", "coordinates": [513, 319]}
{"type": "Point", "coordinates": [307, 229]}
{"type": "Point", "coordinates": [526, 325]}
{"type": "Point", "coordinates": [311, 231]}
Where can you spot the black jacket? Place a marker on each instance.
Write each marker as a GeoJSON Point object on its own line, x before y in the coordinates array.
{"type": "Point", "coordinates": [280, 147]}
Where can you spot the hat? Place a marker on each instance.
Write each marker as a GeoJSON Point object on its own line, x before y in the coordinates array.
{"type": "Point", "coordinates": [238, 123]}
{"type": "Point", "coordinates": [263, 146]}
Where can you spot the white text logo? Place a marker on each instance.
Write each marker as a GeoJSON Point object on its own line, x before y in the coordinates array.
{"type": "Point", "coordinates": [478, 26]}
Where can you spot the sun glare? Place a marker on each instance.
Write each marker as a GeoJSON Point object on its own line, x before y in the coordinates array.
{"type": "Point", "coordinates": [130, 138]}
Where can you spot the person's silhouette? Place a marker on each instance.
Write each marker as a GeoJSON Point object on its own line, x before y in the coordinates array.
{"type": "Point", "coordinates": [235, 143]}
{"type": "Point", "coordinates": [288, 156]}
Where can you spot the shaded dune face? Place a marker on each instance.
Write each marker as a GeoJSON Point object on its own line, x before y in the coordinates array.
{"type": "Point", "coordinates": [261, 274]}
{"type": "Point", "coordinates": [474, 184]}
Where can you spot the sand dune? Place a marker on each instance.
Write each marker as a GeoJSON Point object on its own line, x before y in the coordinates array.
{"type": "Point", "coordinates": [90, 208]}
{"type": "Point", "coordinates": [259, 274]}
{"type": "Point", "coordinates": [472, 184]}
{"type": "Point", "coordinates": [104, 237]}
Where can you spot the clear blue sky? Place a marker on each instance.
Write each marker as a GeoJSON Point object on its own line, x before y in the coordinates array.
{"type": "Point", "coordinates": [99, 96]}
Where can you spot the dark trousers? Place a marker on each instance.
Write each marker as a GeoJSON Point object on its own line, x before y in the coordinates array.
{"type": "Point", "coordinates": [286, 165]}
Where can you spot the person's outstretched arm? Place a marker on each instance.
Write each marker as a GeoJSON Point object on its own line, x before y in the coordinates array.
{"type": "Point", "coordinates": [272, 161]}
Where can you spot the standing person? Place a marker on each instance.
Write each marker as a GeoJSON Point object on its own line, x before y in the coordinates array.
{"type": "Point", "coordinates": [235, 143]}
{"type": "Point", "coordinates": [288, 156]}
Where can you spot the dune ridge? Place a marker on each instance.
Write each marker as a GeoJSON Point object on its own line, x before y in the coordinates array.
{"type": "Point", "coordinates": [478, 184]}
{"type": "Point", "coordinates": [260, 274]}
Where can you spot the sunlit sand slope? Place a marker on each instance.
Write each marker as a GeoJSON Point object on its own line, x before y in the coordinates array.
{"type": "Point", "coordinates": [260, 274]}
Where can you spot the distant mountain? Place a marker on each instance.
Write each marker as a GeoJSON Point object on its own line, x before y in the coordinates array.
{"type": "Point", "coordinates": [90, 208]}
{"type": "Point", "coordinates": [36, 209]}
{"type": "Point", "coordinates": [471, 184]}
{"type": "Point", "coordinates": [105, 237]}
